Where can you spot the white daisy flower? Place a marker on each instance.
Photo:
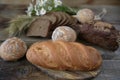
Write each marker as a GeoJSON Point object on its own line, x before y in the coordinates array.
{"type": "Point", "coordinates": [29, 14]}
{"type": "Point", "coordinates": [37, 1]}
{"type": "Point", "coordinates": [49, 8]}
{"type": "Point", "coordinates": [35, 7]}
{"type": "Point", "coordinates": [42, 2]}
{"type": "Point", "coordinates": [42, 11]}
{"type": "Point", "coordinates": [57, 3]}
{"type": "Point", "coordinates": [30, 9]}
{"type": "Point", "coordinates": [45, 1]}
{"type": "Point", "coordinates": [42, 6]}
{"type": "Point", "coordinates": [37, 13]}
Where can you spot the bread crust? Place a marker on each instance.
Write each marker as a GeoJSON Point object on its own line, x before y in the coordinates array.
{"type": "Point", "coordinates": [61, 55]}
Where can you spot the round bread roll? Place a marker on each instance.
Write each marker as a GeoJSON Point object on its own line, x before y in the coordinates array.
{"type": "Point", "coordinates": [62, 55]}
{"type": "Point", "coordinates": [12, 49]}
{"type": "Point", "coordinates": [85, 16]}
{"type": "Point", "coordinates": [64, 33]}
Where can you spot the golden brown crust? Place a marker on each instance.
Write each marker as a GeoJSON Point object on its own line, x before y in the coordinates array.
{"type": "Point", "coordinates": [12, 49]}
{"type": "Point", "coordinates": [96, 60]}
{"type": "Point", "coordinates": [63, 55]}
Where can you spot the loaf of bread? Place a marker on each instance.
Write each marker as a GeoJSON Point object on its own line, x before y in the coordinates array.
{"type": "Point", "coordinates": [64, 33]}
{"type": "Point", "coordinates": [12, 49]}
{"type": "Point", "coordinates": [61, 55]}
{"type": "Point", "coordinates": [100, 33]}
{"type": "Point", "coordinates": [46, 24]}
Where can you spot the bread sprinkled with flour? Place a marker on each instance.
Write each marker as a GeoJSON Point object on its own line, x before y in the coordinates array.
{"type": "Point", "coordinates": [64, 33]}
{"type": "Point", "coordinates": [12, 49]}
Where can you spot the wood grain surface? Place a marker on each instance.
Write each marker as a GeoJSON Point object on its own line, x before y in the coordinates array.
{"type": "Point", "coordinates": [23, 70]}
{"type": "Point", "coordinates": [73, 3]}
{"type": "Point", "coordinates": [70, 75]}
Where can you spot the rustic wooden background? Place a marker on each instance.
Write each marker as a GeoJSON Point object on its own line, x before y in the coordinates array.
{"type": "Point", "coordinates": [69, 2]}
{"type": "Point", "coordinates": [23, 70]}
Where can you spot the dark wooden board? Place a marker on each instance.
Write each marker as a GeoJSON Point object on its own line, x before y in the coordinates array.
{"type": "Point", "coordinates": [69, 75]}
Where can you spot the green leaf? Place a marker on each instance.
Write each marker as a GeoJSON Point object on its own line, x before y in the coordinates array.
{"type": "Point", "coordinates": [66, 9]}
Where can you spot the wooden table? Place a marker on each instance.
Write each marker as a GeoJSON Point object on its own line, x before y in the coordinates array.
{"type": "Point", "coordinates": [23, 70]}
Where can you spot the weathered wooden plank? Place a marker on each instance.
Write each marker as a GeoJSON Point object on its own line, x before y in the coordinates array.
{"type": "Point", "coordinates": [110, 70]}
{"type": "Point", "coordinates": [23, 70]}
{"type": "Point", "coordinates": [7, 12]}
{"type": "Point", "coordinates": [20, 70]}
{"type": "Point", "coordinates": [70, 3]}
{"type": "Point", "coordinates": [4, 22]}
{"type": "Point", "coordinates": [11, 11]}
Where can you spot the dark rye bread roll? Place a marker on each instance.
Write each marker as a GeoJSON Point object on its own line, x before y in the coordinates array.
{"type": "Point", "coordinates": [100, 33]}
{"type": "Point", "coordinates": [61, 55]}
